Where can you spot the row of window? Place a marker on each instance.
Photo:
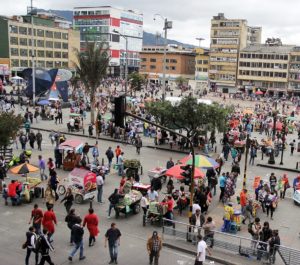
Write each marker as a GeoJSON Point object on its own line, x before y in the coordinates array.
{"type": "Point", "coordinates": [222, 50]}
{"type": "Point", "coordinates": [47, 64]}
{"type": "Point", "coordinates": [226, 24]}
{"type": "Point", "coordinates": [38, 32]}
{"type": "Point", "coordinates": [153, 60]}
{"type": "Point", "coordinates": [91, 12]}
{"type": "Point", "coordinates": [153, 67]}
{"type": "Point", "coordinates": [38, 43]}
{"type": "Point", "coordinates": [202, 61]}
{"type": "Point", "coordinates": [263, 73]}
{"type": "Point", "coordinates": [39, 53]}
{"type": "Point", "coordinates": [223, 59]}
{"type": "Point", "coordinates": [199, 69]}
{"type": "Point", "coordinates": [263, 65]}
{"type": "Point", "coordinates": [264, 56]}
{"type": "Point", "coordinates": [100, 37]}
{"type": "Point", "coordinates": [225, 77]}
{"type": "Point", "coordinates": [92, 22]}
{"type": "Point", "coordinates": [225, 41]}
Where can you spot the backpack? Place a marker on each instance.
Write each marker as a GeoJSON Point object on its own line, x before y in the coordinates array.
{"type": "Point", "coordinates": [38, 244]}
{"type": "Point", "coordinates": [250, 229]}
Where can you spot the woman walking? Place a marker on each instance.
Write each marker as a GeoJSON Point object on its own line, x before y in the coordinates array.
{"type": "Point", "coordinates": [68, 199]}
{"type": "Point", "coordinates": [91, 221]}
{"type": "Point", "coordinates": [271, 203]}
{"type": "Point", "coordinates": [49, 196]}
{"type": "Point", "coordinates": [49, 220]}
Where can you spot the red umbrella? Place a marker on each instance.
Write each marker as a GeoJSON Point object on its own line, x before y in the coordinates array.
{"type": "Point", "coordinates": [258, 92]}
{"type": "Point", "coordinates": [176, 171]}
{"type": "Point", "coordinates": [279, 125]}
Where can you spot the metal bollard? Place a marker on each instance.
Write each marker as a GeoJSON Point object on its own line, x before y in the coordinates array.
{"type": "Point", "coordinates": [141, 170]}
{"type": "Point", "coordinates": [102, 163]}
{"type": "Point", "coordinates": [262, 155]}
{"type": "Point", "coordinates": [297, 164]}
{"type": "Point", "coordinates": [215, 149]}
{"type": "Point", "coordinates": [42, 192]}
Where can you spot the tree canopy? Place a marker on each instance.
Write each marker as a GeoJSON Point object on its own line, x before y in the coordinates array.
{"type": "Point", "coordinates": [92, 68]}
{"type": "Point", "coordinates": [10, 124]}
{"type": "Point", "coordinates": [136, 81]}
{"type": "Point", "coordinates": [190, 116]}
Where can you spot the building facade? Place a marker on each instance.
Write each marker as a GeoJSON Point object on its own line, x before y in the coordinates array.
{"type": "Point", "coordinates": [179, 62]}
{"type": "Point", "coordinates": [265, 67]}
{"type": "Point", "coordinates": [53, 46]}
{"type": "Point", "coordinates": [107, 24]}
{"type": "Point", "coordinates": [228, 37]}
{"type": "Point", "coordinates": [294, 71]}
{"type": "Point", "coordinates": [201, 64]}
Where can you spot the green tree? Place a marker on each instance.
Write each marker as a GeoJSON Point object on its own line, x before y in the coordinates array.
{"type": "Point", "coordinates": [92, 68]}
{"type": "Point", "coordinates": [136, 81]}
{"type": "Point", "coordinates": [180, 81]}
{"type": "Point", "coordinates": [190, 116]}
{"type": "Point", "coordinates": [10, 124]}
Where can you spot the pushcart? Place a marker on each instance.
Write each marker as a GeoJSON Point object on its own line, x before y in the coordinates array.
{"type": "Point", "coordinates": [132, 167]}
{"type": "Point", "coordinates": [155, 214]}
{"type": "Point", "coordinates": [130, 203]}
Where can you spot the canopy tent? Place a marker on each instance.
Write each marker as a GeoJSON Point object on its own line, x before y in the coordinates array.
{"type": "Point", "coordinates": [176, 171]}
{"type": "Point", "coordinates": [70, 145]}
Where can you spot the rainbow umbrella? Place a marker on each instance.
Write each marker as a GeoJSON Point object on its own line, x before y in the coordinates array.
{"type": "Point", "coordinates": [176, 171]}
{"type": "Point", "coordinates": [200, 161]}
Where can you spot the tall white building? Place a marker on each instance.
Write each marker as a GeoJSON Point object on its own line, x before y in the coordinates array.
{"type": "Point", "coordinates": [99, 23]}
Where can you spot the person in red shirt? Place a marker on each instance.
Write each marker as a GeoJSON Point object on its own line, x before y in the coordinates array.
{"type": "Point", "coordinates": [243, 200]}
{"type": "Point", "coordinates": [36, 218]}
{"type": "Point", "coordinates": [12, 192]}
{"type": "Point", "coordinates": [170, 206]}
{"type": "Point", "coordinates": [49, 220]}
{"type": "Point", "coordinates": [118, 151]}
{"type": "Point", "coordinates": [91, 221]}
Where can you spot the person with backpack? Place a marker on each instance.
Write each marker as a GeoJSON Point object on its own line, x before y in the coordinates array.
{"type": "Point", "coordinates": [23, 140]}
{"type": "Point", "coordinates": [30, 244]}
{"type": "Point", "coordinates": [77, 236]}
{"type": "Point", "coordinates": [110, 155]}
{"type": "Point", "coordinates": [44, 246]}
{"type": "Point", "coordinates": [248, 214]}
{"type": "Point", "coordinates": [254, 230]}
{"type": "Point", "coordinates": [71, 220]}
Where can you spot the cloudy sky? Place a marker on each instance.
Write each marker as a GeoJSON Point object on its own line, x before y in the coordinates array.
{"type": "Point", "coordinates": [191, 19]}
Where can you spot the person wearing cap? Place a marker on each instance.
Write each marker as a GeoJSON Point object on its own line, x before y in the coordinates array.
{"type": "Point", "coordinates": [154, 245]}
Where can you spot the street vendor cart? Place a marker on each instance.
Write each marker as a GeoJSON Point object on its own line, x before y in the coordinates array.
{"type": "Point", "coordinates": [158, 172]}
{"type": "Point", "coordinates": [83, 185]}
{"type": "Point", "coordinates": [71, 153]}
{"type": "Point", "coordinates": [130, 203]}
{"type": "Point", "coordinates": [132, 167]}
{"type": "Point", "coordinates": [155, 214]}
{"type": "Point", "coordinates": [296, 197]}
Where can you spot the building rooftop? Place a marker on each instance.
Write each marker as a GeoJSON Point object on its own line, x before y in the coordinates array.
{"type": "Point", "coordinates": [264, 48]}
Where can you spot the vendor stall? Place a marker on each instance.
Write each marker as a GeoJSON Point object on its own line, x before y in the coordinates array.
{"type": "Point", "coordinates": [71, 153]}
{"type": "Point", "coordinates": [130, 203]}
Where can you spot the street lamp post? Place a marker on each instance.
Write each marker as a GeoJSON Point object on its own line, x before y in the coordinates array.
{"type": "Point", "coordinates": [283, 132]}
{"type": "Point", "coordinates": [200, 39]}
{"type": "Point", "coordinates": [167, 25]}
{"type": "Point", "coordinates": [32, 54]}
{"type": "Point", "coordinates": [248, 143]}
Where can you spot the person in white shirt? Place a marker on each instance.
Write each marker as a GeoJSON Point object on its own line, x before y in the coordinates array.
{"type": "Point", "coordinates": [152, 195]}
{"type": "Point", "coordinates": [196, 207]}
{"type": "Point", "coordinates": [100, 182]}
{"type": "Point", "coordinates": [72, 123]}
{"type": "Point", "coordinates": [201, 251]}
{"type": "Point", "coordinates": [144, 204]}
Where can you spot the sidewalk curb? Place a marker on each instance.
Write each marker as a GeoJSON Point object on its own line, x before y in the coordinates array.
{"type": "Point", "coordinates": [167, 149]}
{"type": "Point", "coordinates": [279, 168]}
{"type": "Point", "coordinates": [191, 252]}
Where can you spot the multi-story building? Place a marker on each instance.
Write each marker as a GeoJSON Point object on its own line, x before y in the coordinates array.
{"type": "Point", "coordinates": [228, 37]}
{"type": "Point", "coordinates": [53, 46]}
{"type": "Point", "coordinates": [265, 67]}
{"type": "Point", "coordinates": [294, 71]}
{"type": "Point", "coordinates": [201, 64]}
{"type": "Point", "coordinates": [179, 62]}
{"type": "Point", "coordinates": [103, 24]}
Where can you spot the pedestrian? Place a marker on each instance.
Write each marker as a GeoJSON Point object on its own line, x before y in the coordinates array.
{"type": "Point", "coordinates": [68, 199]}
{"type": "Point", "coordinates": [209, 226]}
{"type": "Point", "coordinates": [77, 237]}
{"type": "Point", "coordinates": [30, 243]}
{"type": "Point", "coordinates": [100, 183]}
{"type": "Point", "coordinates": [110, 155]}
{"type": "Point", "coordinates": [90, 129]}
{"type": "Point", "coordinates": [70, 219]}
{"type": "Point", "coordinates": [42, 167]}
{"type": "Point", "coordinates": [273, 182]}
{"type": "Point", "coordinates": [248, 214]}
{"type": "Point", "coordinates": [271, 203]}
{"type": "Point", "coordinates": [121, 164]}
{"type": "Point", "coordinates": [32, 139]}
{"type": "Point", "coordinates": [170, 163]}
{"type": "Point", "coordinates": [113, 201]}
{"type": "Point", "coordinates": [50, 165]}
{"type": "Point", "coordinates": [95, 152]}
{"type": "Point", "coordinates": [255, 229]}
{"type": "Point", "coordinates": [274, 244]}
{"type": "Point", "coordinates": [49, 219]}
{"type": "Point", "coordinates": [49, 196]}
{"type": "Point", "coordinates": [23, 140]}
{"type": "Point", "coordinates": [39, 139]}
{"type": "Point", "coordinates": [222, 184]}
{"type": "Point", "coordinates": [292, 144]}
{"type": "Point", "coordinates": [138, 144]}
{"type": "Point", "coordinates": [91, 221]}
{"type": "Point", "coordinates": [45, 248]}
{"type": "Point", "coordinates": [36, 114]}
{"type": "Point", "coordinates": [118, 152]}
{"type": "Point", "coordinates": [154, 246]}
{"type": "Point", "coordinates": [144, 204]}
{"type": "Point", "coordinates": [285, 185]}
{"type": "Point", "coordinates": [201, 251]}
{"type": "Point", "coordinates": [112, 236]}
{"type": "Point", "coordinates": [212, 180]}
{"type": "Point", "coordinates": [36, 218]}
{"type": "Point", "coordinates": [243, 201]}
{"type": "Point", "coordinates": [85, 151]}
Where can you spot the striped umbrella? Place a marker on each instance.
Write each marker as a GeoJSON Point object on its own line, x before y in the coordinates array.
{"type": "Point", "coordinates": [200, 161]}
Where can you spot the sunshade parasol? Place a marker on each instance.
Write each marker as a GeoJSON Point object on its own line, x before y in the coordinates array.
{"type": "Point", "coordinates": [176, 171]}
{"type": "Point", "coordinates": [24, 169]}
{"type": "Point", "coordinates": [200, 161]}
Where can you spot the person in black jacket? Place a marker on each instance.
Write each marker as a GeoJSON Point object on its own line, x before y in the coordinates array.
{"type": "Point", "coordinates": [113, 201]}
{"type": "Point", "coordinates": [68, 199]}
{"type": "Point", "coordinates": [45, 248]}
{"type": "Point", "coordinates": [30, 242]}
{"type": "Point", "coordinates": [71, 220]}
{"type": "Point", "coordinates": [77, 236]}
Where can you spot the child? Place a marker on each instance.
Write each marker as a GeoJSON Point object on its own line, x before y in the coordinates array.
{"type": "Point", "coordinates": [5, 193]}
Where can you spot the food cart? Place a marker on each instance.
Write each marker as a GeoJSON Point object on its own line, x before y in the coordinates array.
{"type": "Point", "coordinates": [296, 197]}
{"type": "Point", "coordinates": [82, 182]}
{"type": "Point", "coordinates": [31, 189]}
{"type": "Point", "coordinates": [155, 214]}
{"type": "Point", "coordinates": [130, 203]}
{"type": "Point", "coordinates": [143, 188]}
{"type": "Point", "coordinates": [71, 153]}
{"type": "Point", "coordinates": [158, 172]}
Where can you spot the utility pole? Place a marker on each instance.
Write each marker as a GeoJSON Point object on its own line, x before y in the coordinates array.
{"type": "Point", "coordinates": [248, 143]}
{"type": "Point", "coordinates": [32, 55]}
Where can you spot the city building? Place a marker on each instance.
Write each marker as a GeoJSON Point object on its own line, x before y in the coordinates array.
{"type": "Point", "coordinates": [201, 64]}
{"type": "Point", "coordinates": [53, 46]}
{"type": "Point", "coordinates": [265, 67]}
{"type": "Point", "coordinates": [228, 37]}
{"type": "Point", "coordinates": [179, 62]}
{"type": "Point", "coordinates": [294, 71]}
{"type": "Point", "coordinates": [109, 24]}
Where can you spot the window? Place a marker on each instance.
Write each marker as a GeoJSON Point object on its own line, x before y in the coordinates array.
{"type": "Point", "coordinates": [152, 67]}
{"type": "Point", "coordinates": [49, 44]}
{"type": "Point", "coordinates": [49, 54]}
{"type": "Point", "coordinates": [22, 30]}
{"type": "Point", "coordinates": [173, 61]}
{"type": "Point", "coordinates": [65, 36]}
{"type": "Point", "coordinates": [57, 54]}
{"type": "Point", "coordinates": [173, 68]}
{"type": "Point", "coordinates": [57, 35]}
{"type": "Point", "coordinates": [49, 34]}
{"type": "Point", "coordinates": [65, 46]}
{"type": "Point", "coordinates": [23, 41]}
{"type": "Point", "coordinates": [115, 38]}
{"type": "Point", "coordinates": [14, 40]}
{"type": "Point", "coordinates": [144, 59]}
{"type": "Point", "coordinates": [64, 55]}
{"type": "Point", "coordinates": [41, 53]}
{"type": "Point", "coordinates": [65, 64]}
{"type": "Point", "coordinates": [49, 64]}
{"type": "Point", "coordinates": [40, 63]}
{"type": "Point", "coordinates": [143, 67]}
{"type": "Point", "coordinates": [57, 64]}
{"type": "Point", "coordinates": [152, 60]}
{"type": "Point", "coordinates": [23, 52]}
{"type": "Point", "coordinates": [15, 63]}
{"type": "Point", "coordinates": [167, 60]}
{"type": "Point", "coordinates": [205, 61]}
{"type": "Point", "coordinates": [40, 33]}
{"type": "Point", "coordinates": [57, 45]}
{"type": "Point", "coordinates": [40, 43]}
{"type": "Point", "coordinates": [14, 29]}
{"type": "Point", "coordinates": [14, 51]}
{"type": "Point", "coordinates": [24, 63]}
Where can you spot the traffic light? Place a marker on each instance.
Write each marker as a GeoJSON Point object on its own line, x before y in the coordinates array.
{"type": "Point", "coordinates": [187, 173]}
{"type": "Point", "coordinates": [118, 110]}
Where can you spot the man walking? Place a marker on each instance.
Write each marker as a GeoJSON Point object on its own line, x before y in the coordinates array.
{"type": "Point", "coordinates": [154, 245]}
{"type": "Point", "coordinates": [112, 236]}
{"type": "Point", "coordinates": [222, 183]}
{"type": "Point", "coordinates": [110, 155]}
{"type": "Point", "coordinates": [95, 152]}
{"type": "Point", "coordinates": [36, 218]}
{"type": "Point", "coordinates": [138, 144]}
{"type": "Point", "coordinates": [39, 139]}
{"type": "Point", "coordinates": [100, 183]}
{"type": "Point", "coordinates": [30, 243]}
{"type": "Point", "coordinates": [77, 237]}
{"type": "Point", "coordinates": [42, 167]}
{"type": "Point", "coordinates": [201, 251]}
{"type": "Point", "coordinates": [45, 248]}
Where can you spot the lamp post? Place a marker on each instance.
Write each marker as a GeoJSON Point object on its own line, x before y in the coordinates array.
{"type": "Point", "coordinates": [32, 54]}
{"type": "Point", "coordinates": [275, 120]}
{"type": "Point", "coordinates": [200, 39]}
{"type": "Point", "coordinates": [283, 132]}
{"type": "Point", "coordinates": [167, 25]}
{"type": "Point", "coordinates": [248, 143]}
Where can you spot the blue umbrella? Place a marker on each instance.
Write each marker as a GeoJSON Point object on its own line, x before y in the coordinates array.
{"type": "Point", "coordinates": [44, 102]}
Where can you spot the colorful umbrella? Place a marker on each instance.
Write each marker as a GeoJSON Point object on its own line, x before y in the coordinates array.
{"type": "Point", "coordinates": [248, 111]}
{"type": "Point", "coordinates": [278, 126]}
{"type": "Point", "coordinates": [24, 169]}
{"type": "Point", "coordinates": [258, 92]}
{"type": "Point", "coordinates": [200, 161]}
{"type": "Point", "coordinates": [176, 171]}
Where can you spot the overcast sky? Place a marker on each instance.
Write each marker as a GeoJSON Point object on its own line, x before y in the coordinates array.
{"type": "Point", "coordinates": [191, 19]}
